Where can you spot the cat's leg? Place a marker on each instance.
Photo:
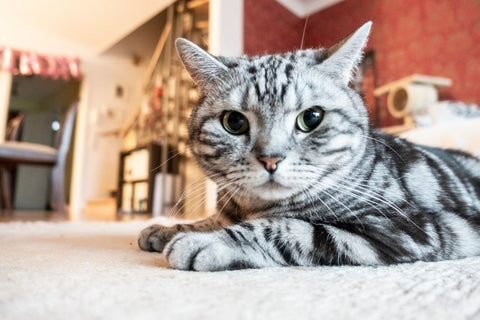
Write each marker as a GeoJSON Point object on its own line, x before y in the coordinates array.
{"type": "Point", "coordinates": [269, 242]}
{"type": "Point", "coordinates": [155, 237]}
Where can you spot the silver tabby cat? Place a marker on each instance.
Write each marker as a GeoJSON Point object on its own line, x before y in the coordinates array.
{"type": "Point", "coordinates": [302, 178]}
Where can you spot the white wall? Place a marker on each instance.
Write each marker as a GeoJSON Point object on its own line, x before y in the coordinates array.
{"type": "Point", "coordinates": [226, 27]}
{"type": "Point", "coordinates": [95, 172]}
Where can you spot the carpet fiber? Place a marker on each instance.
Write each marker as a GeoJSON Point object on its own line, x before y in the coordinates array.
{"type": "Point", "coordinates": [96, 271]}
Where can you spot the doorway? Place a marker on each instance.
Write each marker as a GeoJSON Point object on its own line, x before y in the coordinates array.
{"type": "Point", "coordinates": [43, 103]}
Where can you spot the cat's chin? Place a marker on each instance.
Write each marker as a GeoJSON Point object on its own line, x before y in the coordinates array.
{"type": "Point", "coordinates": [273, 191]}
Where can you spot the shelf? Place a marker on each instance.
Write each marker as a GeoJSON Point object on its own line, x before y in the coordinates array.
{"type": "Point", "coordinates": [134, 181]}
{"type": "Point", "coordinates": [166, 73]}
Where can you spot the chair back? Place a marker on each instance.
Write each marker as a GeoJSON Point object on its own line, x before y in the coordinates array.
{"type": "Point", "coordinates": [13, 127]}
{"type": "Point", "coordinates": [66, 130]}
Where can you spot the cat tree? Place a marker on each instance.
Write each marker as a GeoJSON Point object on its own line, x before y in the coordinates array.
{"type": "Point", "coordinates": [411, 95]}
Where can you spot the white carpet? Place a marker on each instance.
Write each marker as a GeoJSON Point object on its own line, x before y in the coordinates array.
{"type": "Point", "coordinates": [96, 271]}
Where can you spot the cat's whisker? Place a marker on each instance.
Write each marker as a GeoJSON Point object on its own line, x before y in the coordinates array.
{"type": "Point", "coordinates": [378, 197]}
{"type": "Point", "coordinates": [354, 178]}
{"type": "Point", "coordinates": [200, 195]}
{"type": "Point", "coordinates": [165, 162]}
{"type": "Point", "coordinates": [391, 205]}
{"type": "Point", "coordinates": [193, 195]}
{"type": "Point", "coordinates": [385, 144]}
{"type": "Point", "coordinates": [220, 188]}
{"type": "Point", "coordinates": [192, 190]}
{"type": "Point", "coordinates": [358, 197]}
{"type": "Point", "coordinates": [377, 192]}
{"type": "Point", "coordinates": [367, 187]}
{"type": "Point", "coordinates": [325, 205]}
{"type": "Point", "coordinates": [226, 202]}
{"type": "Point", "coordinates": [343, 205]}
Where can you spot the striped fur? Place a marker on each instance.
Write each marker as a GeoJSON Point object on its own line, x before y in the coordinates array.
{"type": "Point", "coordinates": [343, 193]}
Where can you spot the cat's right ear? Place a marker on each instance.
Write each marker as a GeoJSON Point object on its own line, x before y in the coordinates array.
{"type": "Point", "coordinates": [202, 66]}
{"type": "Point", "coordinates": [343, 57]}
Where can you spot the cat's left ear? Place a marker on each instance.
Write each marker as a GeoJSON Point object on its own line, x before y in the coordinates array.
{"type": "Point", "coordinates": [344, 56]}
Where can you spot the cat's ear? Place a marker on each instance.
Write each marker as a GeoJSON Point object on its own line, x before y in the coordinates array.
{"type": "Point", "coordinates": [344, 56]}
{"type": "Point", "coordinates": [202, 66]}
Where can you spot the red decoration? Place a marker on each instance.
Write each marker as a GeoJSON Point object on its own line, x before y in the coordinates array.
{"type": "Point", "coordinates": [155, 102]}
{"type": "Point", "coordinates": [35, 63]}
{"type": "Point", "coordinates": [28, 63]}
{"type": "Point", "coordinates": [24, 64]}
{"type": "Point", "coordinates": [159, 92]}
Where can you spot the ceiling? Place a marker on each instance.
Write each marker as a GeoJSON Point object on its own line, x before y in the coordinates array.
{"type": "Point", "coordinates": [304, 8]}
{"type": "Point", "coordinates": [141, 42]}
{"type": "Point", "coordinates": [91, 24]}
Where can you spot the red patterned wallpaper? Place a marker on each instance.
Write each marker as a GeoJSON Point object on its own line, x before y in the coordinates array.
{"type": "Point", "coordinates": [434, 37]}
{"type": "Point", "coordinates": [269, 28]}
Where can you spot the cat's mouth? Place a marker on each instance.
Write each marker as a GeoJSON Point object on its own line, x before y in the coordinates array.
{"type": "Point", "coordinates": [272, 190]}
{"type": "Point", "coordinates": [272, 184]}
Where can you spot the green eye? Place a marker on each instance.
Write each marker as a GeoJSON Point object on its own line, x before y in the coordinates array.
{"type": "Point", "coordinates": [309, 119]}
{"type": "Point", "coordinates": [234, 122]}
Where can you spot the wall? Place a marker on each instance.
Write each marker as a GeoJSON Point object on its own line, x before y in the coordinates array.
{"type": "Point", "coordinates": [269, 28]}
{"type": "Point", "coordinates": [225, 27]}
{"type": "Point", "coordinates": [95, 170]}
{"type": "Point", "coordinates": [434, 37]}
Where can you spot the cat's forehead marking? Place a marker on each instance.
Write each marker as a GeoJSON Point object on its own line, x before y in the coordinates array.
{"type": "Point", "coordinates": [271, 79]}
{"type": "Point", "coordinates": [268, 78]}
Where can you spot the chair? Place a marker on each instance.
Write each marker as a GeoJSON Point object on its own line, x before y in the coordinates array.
{"type": "Point", "coordinates": [15, 153]}
{"type": "Point", "coordinates": [8, 171]}
{"type": "Point", "coordinates": [14, 126]}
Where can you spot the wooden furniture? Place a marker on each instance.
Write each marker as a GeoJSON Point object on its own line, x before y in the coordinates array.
{"type": "Point", "coordinates": [137, 171]}
{"type": "Point", "coordinates": [15, 153]}
{"type": "Point", "coordinates": [14, 127]}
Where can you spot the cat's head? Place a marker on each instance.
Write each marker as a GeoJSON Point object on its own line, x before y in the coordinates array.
{"type": "Point", "coordinates": [278, 125]}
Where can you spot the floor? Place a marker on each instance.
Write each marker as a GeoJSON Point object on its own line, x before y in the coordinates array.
{"type": "Point", "coordinates": [26, 215]}
{"type": "Point", "coordinates": [45, 215]}
{"type": "Point", "coordinates": [95, 270]}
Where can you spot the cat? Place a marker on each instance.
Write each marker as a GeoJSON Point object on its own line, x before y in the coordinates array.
{"type": "Point", "coordinates": [302, 178]}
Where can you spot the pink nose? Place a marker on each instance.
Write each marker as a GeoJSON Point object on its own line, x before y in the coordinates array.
{"type": "Point", "coordinates": [270, 163]}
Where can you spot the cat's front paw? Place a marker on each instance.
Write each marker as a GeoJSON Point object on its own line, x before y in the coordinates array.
{"type": "Point", "coordinates": [154, 238]}
{"type": "Point", "coordinates": [198, 252]}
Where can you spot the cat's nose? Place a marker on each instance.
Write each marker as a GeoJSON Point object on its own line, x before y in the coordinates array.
{"type": "Point", "coordinates": [270, 163]}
